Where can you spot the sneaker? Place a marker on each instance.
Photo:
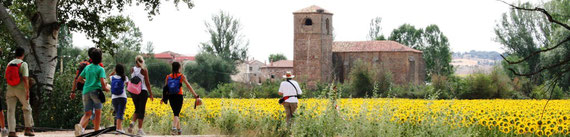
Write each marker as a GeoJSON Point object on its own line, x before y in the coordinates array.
{"type": "Point", "coordinates": [140, 132]}
{"type": "Point", "coordinates": [12, 134]}
{"type": "Point", "coordinates": [121, 131]}
{"type": "Point", "coordinates": [179, 131]}
{"type": "Point", "coordinates": [78, 130]}
{"type": "Point", "coordinates": [174, 131]}
{"type": "Point", "coordinates": [4, 132]}
{"type": "Point", "coordinates": [130, 129]}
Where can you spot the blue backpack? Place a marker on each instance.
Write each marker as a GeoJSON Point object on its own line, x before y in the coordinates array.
{"type": "Point", "coordinates": [117, 86]}
{"type": "Point", "coordinates": [174, 85]}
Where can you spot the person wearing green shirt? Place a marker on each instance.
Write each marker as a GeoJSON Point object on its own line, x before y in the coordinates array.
{"type": "Point", "coordinates": [94, 78]}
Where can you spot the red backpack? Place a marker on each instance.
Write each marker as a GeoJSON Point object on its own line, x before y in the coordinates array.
{"type": "Point", "coordinates": [13, 74]}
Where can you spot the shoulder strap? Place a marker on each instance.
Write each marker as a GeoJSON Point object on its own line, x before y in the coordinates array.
{"type": "Point", "coordinates": [296, 92]}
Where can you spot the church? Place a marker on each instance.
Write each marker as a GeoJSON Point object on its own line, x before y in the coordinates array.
{"type": "Point", "coordinates": [317, 58]}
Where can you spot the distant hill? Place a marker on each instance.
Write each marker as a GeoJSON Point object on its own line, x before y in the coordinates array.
{"type": "Point", "coordinates": [466, 63]}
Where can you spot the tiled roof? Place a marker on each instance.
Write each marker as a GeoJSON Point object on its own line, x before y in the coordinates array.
{"type": "Point", "coordinates": [281, 64]}
{"type": "Point", "coordinates": [184, 58]}
{"type": "Point", "coordinates": [371, 46]}
{"type": "Point", "coordinates": [312, 9]}
{"type": "Point", "coordinates": [163, 56]}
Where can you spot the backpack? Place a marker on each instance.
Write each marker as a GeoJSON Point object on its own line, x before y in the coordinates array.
{"type": "Point", "coordinates": [174, 84]}
{"type": "Point", "coordinates": [117, 86]}
{"type": "Point", "coordinates": [13, 74]}
{"type": "Point", "coordinates": [82, 65]}
{"type": "Point", "coordinates": [135, 85]}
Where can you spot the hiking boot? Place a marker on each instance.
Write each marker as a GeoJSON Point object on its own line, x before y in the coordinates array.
{"type": "Point", "coordinates": [130, 129]}
{"type": "Point", "coordinates": [4, 132]}
{"type": "Point", "coordinates": [29, 132]}
{"type": "Point", "coordinates": [12, 134]}
{"type": "Point", "coordinates": [78, 130]}
{"type": "Point", "coordinates": [179, 131]}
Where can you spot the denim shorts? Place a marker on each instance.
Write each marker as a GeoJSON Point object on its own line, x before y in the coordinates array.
{"type": "Point", "coordinates": [91, 101]}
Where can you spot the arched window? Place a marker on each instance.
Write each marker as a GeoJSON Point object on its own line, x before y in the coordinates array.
{"type": "Point", "coordinates": [327, 24]}
{"type": "Point", "coordinates": [308, 22]}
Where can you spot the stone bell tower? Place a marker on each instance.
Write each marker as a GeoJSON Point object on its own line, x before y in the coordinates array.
{"type": "Point", "coordinates": [312, 45]}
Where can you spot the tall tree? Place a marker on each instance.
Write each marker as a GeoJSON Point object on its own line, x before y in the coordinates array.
{"type": "Point", "coordinates": [523, 33]}
{"type": "Point", "coordinates": [277, 57]}
{"type": "Point", "coordinates": [226, 39]}
{"type": "Point", "coordinates": [408, 35]}
{"type": "Point", "coordinates": [436, 53]}
{"type": "Point", "coordinates": [210, 70]}
{"type": "Point", "coordinates": [432, 42]}
{"type": "Point", "coordinates": [375, 31]}
{"type": "Point", "coordinates": [34, 26]}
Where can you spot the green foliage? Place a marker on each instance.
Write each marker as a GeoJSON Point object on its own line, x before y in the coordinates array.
{"type": "Point", "coordinates": [157, 71]}
{"type": "Point", "coordinates": [209, 70]}
{"type": "Point", "coordinates": [361, 79]}
{"type": "Point", "coordinates": [277, 57]}
{"type": "Point", "coordinates": [487, 86]}
{"type": "Point", "coordinates": [548, 91]}
{"type": "Point", "coordinates": [432, 42]}
{"type": "Point", "coordinates": [226, 40]}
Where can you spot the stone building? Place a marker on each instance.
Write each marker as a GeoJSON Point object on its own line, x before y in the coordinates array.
{"type": "Point", "coordinates": [318, 59]}
{"type": "Point", "coordinates": [275, 70]}
{"type": "Point", "coordinates": [249, 72]}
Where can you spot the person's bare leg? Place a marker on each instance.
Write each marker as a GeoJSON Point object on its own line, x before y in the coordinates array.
{"type": "Point", "coordinates": [140, 123]}
{"type": "Point", "coordinates": [97, 119]}
{"type": "Point", "coordinates": [85, 119]}
{"type": "Point", "coordinates": [2, 124]}
{"type": "Point", "coordinates": [119, 124]}
{"type": "Point", "coordinates": [177, 122]}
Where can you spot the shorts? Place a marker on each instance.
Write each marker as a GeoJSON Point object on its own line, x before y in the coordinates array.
{"type": "Point", "coordinates": [176, 103]}
{"type": "Point", "coordinates": [119, 105]}
{"type": "Point", "coordinates": [91, 101]}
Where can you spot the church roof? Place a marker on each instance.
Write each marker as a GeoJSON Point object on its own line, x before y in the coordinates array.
{"type": "Point", "coordinates": [371, 46]}
{"type": "Point", "coordinates": [312, 9]}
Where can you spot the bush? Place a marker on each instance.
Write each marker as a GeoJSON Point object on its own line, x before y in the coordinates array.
{"type": "Point", "coordinates": [366, 80]}
{"type": "Point", "coordinates": [209, 70]}
{"type": "Point", "coordinates": [545, 91]}
{"type": "Point", "coordinates": [157, 71]}
{"type": "Point", "coordinates": [487, 86]}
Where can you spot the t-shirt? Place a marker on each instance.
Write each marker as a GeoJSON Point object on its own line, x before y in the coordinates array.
{"type": "Point", "coordinates": [124, 95]}
{"type": "Point", "coordinates": [288, 90]}
{"type": "Point", "coordinates": [92, 74]}
{"type": "Point", "coordinates": [181, 80]}
{"type": "Point", "coordinates": [23, 72]}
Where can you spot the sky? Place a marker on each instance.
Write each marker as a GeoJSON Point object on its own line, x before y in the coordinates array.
{"type": "Point", "coordinates": [268, 24]}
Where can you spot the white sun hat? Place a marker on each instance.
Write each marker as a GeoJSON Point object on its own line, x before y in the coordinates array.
{"type": "Point", "coordinates": [288, 75]}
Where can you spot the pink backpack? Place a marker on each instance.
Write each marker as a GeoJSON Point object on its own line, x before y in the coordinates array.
{"type": "Point", "coordinates": [134, 88]}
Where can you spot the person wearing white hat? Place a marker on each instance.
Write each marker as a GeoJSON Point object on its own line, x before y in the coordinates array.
{"type": "Point", "coordinates": [290, 90]}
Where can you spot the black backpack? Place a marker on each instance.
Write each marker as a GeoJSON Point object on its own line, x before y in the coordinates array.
{"type": "Point", "coordinates": [80, 67]}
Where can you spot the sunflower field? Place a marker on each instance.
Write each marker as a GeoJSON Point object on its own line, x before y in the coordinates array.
{"type": "Point", "coordinates": [362, 117]}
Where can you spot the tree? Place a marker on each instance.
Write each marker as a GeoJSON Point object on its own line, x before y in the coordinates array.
{"type": "Point", "coordinates": [436, 53]}
{"type": "Point", "coordinates": [432, 42]}
{"type": "Point", "coordinates": [226, 39]}
{"type": "Point", "coordinates": [34, 26]}
{"type": "Point", "coordinates": [210, 70]}
{"type": "Point", "coordinates": [408, 35]}
{"type": "Point", "coordinates": [554, 44]}
{"type": "Point", "coordinates": [375, 31]}
{"type": "Point", "coordinates": [277, 57]}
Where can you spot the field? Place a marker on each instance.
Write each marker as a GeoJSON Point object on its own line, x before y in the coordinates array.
{"type": "Point", "coordinates": [362, 117]}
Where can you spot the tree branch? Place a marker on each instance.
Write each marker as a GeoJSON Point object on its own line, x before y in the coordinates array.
{"type": "Point", "coordinates": [548, 15]}
{"type": "Point", "coordinates": [536, 52]}
{"type": "Point", "coordinates": [7, 20]}
{"type": "Point", "coordinates": [542, 69]}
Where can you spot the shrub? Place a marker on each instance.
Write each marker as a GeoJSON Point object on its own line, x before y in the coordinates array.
{"type": "Point", "coordinates": [209, 70]}
{"type": "Point", "coordinates": [157, 71]}
{"type": "Point", "coordinates": [486, 86]}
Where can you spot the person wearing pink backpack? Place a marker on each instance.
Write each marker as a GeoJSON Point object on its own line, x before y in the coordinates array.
{"type": "Point", "coordinates": [139, 76]}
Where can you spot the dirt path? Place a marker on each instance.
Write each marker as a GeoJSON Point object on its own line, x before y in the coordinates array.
{"type": "Point", "coordinates": [70, 134]}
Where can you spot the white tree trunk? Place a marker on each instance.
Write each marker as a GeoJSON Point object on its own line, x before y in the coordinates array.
{"type": "Point", "coordinates": [43, 53]}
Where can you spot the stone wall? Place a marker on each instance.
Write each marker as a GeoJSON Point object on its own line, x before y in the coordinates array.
{"type": "Point", "coordinates": [406, 67]}
{"type": "Point", "coordinates": [313, 48]}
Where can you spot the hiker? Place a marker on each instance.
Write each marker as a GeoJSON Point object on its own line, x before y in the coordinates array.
{"type": "Point", "coordinates": [140, 73]}
{"type": "Point", "coordinates": [18, 89]}
{"type": "Point", "coordinates": [119, 95]}
{"type": "Point", "coordinates": [290, 91]}
{"type": "Point", "coordinates": [93, 76]}
{"type": "Point", "coordinates": [79, 85]}
{"type": "Point", "coordinates": [175, 95]}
